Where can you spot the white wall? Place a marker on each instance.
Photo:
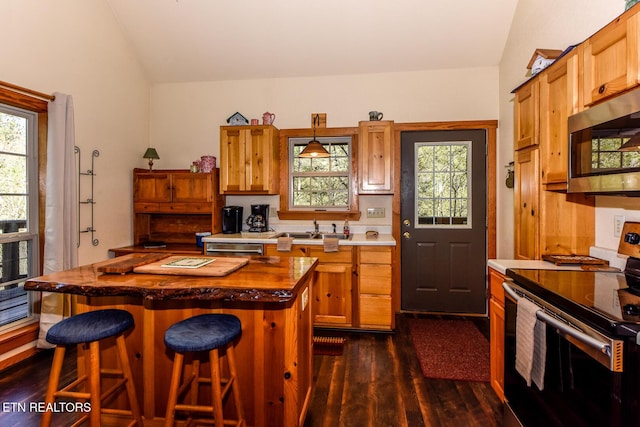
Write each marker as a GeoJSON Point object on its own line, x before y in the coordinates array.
{"type": "Point", "coordinates": [185, 118]}
{"type": "Point", "coordinates": [75, 47]}
{"type": "Point", "coordinates": [548, 24]}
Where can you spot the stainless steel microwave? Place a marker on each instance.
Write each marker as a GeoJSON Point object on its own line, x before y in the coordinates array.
{"type": "Point", "coordinates": [604, 147]}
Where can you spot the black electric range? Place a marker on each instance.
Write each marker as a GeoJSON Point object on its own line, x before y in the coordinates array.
{"type": "Point", "coordinates": [607, 301]}
{"type": "Point", "coordinates": [591, 347]}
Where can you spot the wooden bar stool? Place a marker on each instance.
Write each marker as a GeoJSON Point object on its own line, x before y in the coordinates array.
{"type": "Point", "coordinates": [88, 329]}
{"type": "Point", "coordinates": [206, 332]}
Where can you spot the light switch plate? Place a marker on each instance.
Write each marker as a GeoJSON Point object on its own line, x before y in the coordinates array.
{"type": "Point", "coordinates": [618, 223]}
{"type": "Point", "coordinates": [375, 212]}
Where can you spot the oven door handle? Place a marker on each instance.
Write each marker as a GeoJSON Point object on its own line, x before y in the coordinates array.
{"type": "Point", "coordinates": [243, 250]}
{"type": "Point", "coordinates": [563, 327]}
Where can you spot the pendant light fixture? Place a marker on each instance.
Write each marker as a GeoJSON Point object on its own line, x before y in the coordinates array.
{"type": "Point", "coordinates": [633, 144]}
{"type": "Point", "coordinates": [314, 148]}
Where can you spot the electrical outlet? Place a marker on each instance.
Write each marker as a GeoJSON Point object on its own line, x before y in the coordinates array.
{"type": "Point", "coordinates": [618, 223]}
{"type": "Point", "coordinates": [375, 212]}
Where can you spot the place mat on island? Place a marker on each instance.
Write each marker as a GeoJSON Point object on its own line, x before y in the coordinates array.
{"type": "Point", "coordinates": [193, 265]}
{"type": "Point", "coordinates": [574, 259]}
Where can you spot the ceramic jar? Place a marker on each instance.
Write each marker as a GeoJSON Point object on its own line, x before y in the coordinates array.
{"type": "Point", "coordinates": [207, 163]}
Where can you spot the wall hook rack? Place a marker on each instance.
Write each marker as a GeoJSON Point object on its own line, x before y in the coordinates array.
{"type": "Point", "coordinates": [90, 201]}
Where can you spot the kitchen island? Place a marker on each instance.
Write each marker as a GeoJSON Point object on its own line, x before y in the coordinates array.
{"type": "Point", "coordinates": [270, 296]}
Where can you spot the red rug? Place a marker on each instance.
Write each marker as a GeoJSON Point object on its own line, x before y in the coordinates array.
{"type": "Point", "coordinates": [450, 349]}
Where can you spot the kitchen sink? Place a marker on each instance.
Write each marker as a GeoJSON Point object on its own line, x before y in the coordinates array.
{"type": "Point", "coordinates": [334, 235]}
{"type": "Point", "coordinates": [296, 235]}
{"type": "Point", "coordinates": [311, 235]}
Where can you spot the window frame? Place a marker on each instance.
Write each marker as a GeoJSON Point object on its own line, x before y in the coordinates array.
{"type": "Point", "coordinates": [320, 174]}
{"type": "Point", "coordinates": [23, 333]}
{"type": "Point", "coordinates": [352, 213]}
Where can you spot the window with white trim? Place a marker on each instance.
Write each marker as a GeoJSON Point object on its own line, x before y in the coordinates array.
{"type": "Point", "coordinates": [320, 183]}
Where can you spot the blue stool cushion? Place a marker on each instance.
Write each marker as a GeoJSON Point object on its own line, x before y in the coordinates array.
{"type": "Point", "coordinates": [90, 326]}
{"type": "Point", "coordinates": [202, 333]}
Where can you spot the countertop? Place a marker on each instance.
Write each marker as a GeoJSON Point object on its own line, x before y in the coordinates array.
{"type": "Point", "coordinates": [502, 265]}
{"type": "Point", "coordinates": [615, 260]}
{"type": "Point", "coordinates": [263, 279]}
{"type": "Point", "coordinates": [357, 239]}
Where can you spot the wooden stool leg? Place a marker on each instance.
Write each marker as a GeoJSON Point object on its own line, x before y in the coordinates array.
{"type": "Point", "coordinates": [173, 389]}
{"type": "Point", "coordinates": [94, 383]}
{"type": "Point", "coordinates": [195, 384]}
{"type": "Point", "coordinates": [131, 389]}
{"type": "Point", "coordinates": [231, 358]}
{"type": "Point", "coordinates": [52, 387]}
{"type": "Point", "coordinates": [216, 391]}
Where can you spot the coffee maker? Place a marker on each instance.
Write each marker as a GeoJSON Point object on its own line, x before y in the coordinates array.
{"type": "Point", "coordinates": [258, 221]}
{"type": "Point", "coordinates": [231, 219]}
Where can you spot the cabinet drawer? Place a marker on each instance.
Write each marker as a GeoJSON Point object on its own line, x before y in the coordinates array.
{"type": "Point", "coordinates": [375, 311]}
{"type": "Point", "coordinates": [375, 255]}
{"type": "Point", "coordinates": [375, 279]}
{"type": "Point", "coordinates": [495, 286]}
{"type": "Point", "coordinates": [344, 255]}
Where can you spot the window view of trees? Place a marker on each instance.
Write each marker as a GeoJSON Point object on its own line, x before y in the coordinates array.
{"type": "Point", "coordinates": [321, 183]}
{"type": "Point", "coordinates": [605, 154]}
{"type": "Point", "coordinates": [443, 183]}
{"type": "Point", "coordinates": [16, 243]}
{"type": "Point", "coordinates": [13, 163]}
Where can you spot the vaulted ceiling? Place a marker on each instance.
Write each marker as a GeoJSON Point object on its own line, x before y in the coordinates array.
{"type": "Point", "coordinates": [207, 40]}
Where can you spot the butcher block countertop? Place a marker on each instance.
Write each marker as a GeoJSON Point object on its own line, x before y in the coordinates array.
{"type": "Point", "coordinates": [262, 279]}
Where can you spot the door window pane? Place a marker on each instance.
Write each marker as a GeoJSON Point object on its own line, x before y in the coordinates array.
{"type": "Point", "coordinates": [443, 196]}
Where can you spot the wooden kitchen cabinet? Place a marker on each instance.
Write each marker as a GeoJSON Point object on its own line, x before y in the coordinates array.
{"type": "Point", "coordinates": [496, 325]}
{"type": "Point", "coordinates": [172, 205]}
{"type": "Point", "coordinates": [375, 157]}
{"type": "Point", "coordinates": [172, 191]}
{"type": "Point", "coordinates": [332, 303]}
{"type": "Point", "coordinates": [559, 99]}
{"type": "Point", "coordinates": [249, 160]}
{"type": "Point", "coordinates": [526, 115]}
{"type": "Point", "coordinates": [526, 199]}
{"type": "Point", "coordinates": [374, 287]}
{"type": "Point", "coordinates": [547, 219]}
{"type": "Point", "coordinates": [610, 59]}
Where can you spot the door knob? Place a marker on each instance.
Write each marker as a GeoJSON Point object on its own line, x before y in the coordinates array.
{"type": "Point", "coordinates": [406, 235]}
{"type": "Point", "coordinates": [406, 223]}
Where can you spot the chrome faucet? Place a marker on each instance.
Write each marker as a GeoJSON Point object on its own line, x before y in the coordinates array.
{"type": "Point", "coordinates": [316, 227]}
{"type": "Point", "coordinates": [334, 228]}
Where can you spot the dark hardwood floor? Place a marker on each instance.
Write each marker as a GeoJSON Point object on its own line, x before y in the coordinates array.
{"type": "Point", "coordinates": [377, 381]}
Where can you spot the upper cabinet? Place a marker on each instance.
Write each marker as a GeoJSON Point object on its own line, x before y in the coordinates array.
{"type": "Point", "coordinates": [172, 191]}
{"type": "Point", "coordinates": [526, 115]}
{"type": "Point", "coordinates": [171, 205]}
{"type": "Point", "coordinates": [559, 98]}
{"type": "Point", "coordinates": [610, 59]}
{"type": "Point", "coordinates": [375, 157]}
{"type": "Point", "coordinates": [249, 160]}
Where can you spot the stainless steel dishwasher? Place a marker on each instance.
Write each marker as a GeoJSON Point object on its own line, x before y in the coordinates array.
{"type": "Point", "coordinates": [215, 248]}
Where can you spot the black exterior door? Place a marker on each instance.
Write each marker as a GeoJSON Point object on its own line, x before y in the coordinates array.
{"type": "Point", "coordinates": [444, 221]}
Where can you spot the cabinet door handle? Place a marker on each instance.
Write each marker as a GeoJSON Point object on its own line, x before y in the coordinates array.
{"type": "Point", "coordinates": [601, 89]}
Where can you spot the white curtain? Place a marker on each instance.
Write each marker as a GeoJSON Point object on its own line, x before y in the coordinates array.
{"type": "Point", "coordinates": [60, 234]}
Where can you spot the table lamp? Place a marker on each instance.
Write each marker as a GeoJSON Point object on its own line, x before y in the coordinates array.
{"type": "Point", "coordinates": [151, 154]}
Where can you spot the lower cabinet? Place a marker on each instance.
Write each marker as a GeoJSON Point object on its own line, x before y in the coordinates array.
{"type": "Point", "coordinates": [496, 320]}
{"type": "Point", "coordinates": [333, 287]}
{"type": "Point", "coordinates": [351, 288]}
{"type": "Point", "coordinates": [374, 287]}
